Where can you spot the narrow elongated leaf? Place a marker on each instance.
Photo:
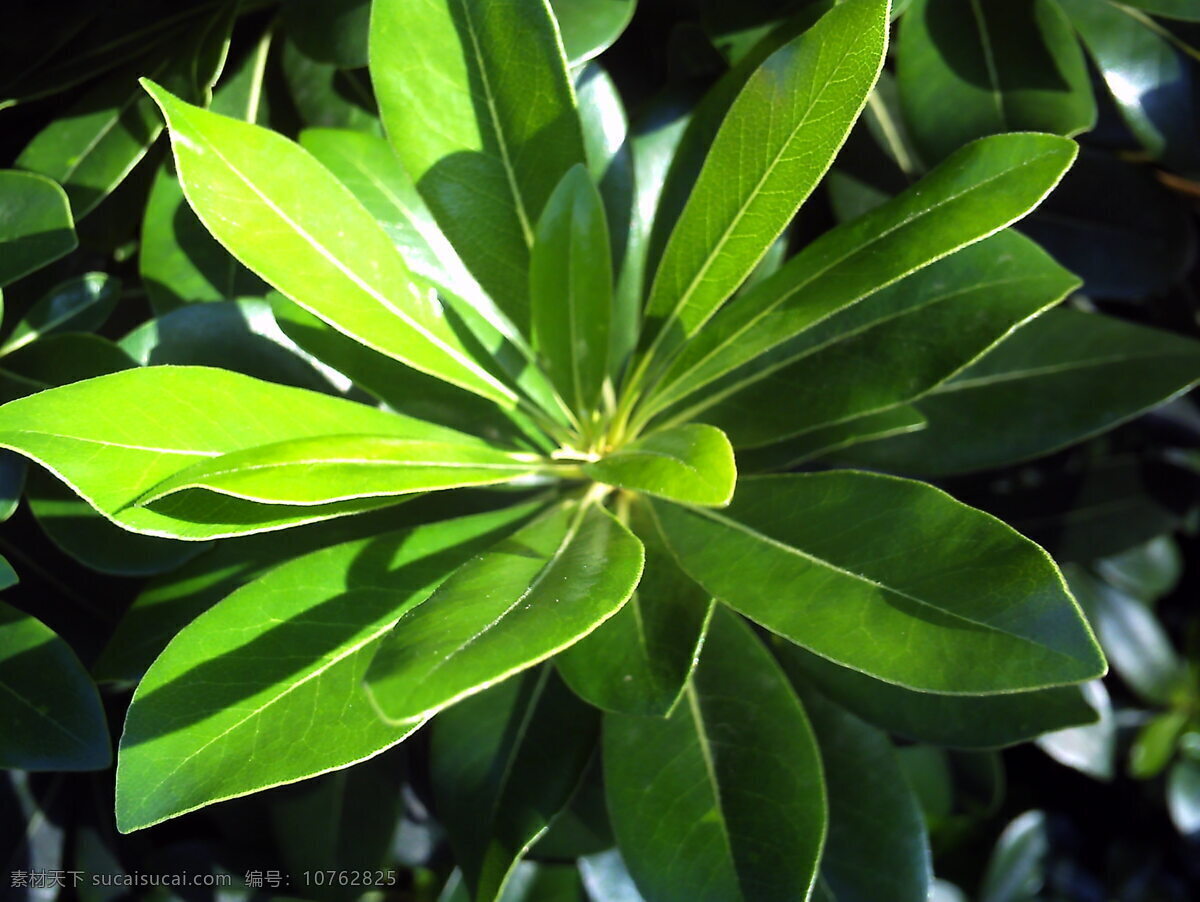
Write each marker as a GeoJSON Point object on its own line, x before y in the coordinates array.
{"type": "Point", "coordinates": [36, 226]}
{"type": "Point", "coordinates": [1174, 9]}
{"type": "Point", "coordinates": [846, 569]}
{"type": "Point", "coordinates": [693, 464]}
{"type": "Point", "coordinates": [283, 215]}
{"type": "Point", "coordinates": [332, 468]}
{"type": "Point", "coordinates": [265, 688]}
{"type": "Point", "coordinates": [981, 189]}
{"type": "Point", "coordinates": [504, 763]}
{"type": "Point", "coordinates": [971, 69]}
{"type": "Point", "coordinates": [1036, 393]}
{"type": "Point", "coordinates": [571, 290]}
{"type": "Point", "coordinates": [1148, 78]}
{"type": "Point", "coordinates": [589, 27]}
{"type": "Point", "coordinates": [892, 347]}
{"type": "Point", "coordinates": [877, 847]}
{"type": "Point", "coordinates": [792, 115]}
{"type": "Point", "coordinates": [141, 426]}
{"type": "Point", "coordinates": [956, 721]}
{"type": "Point", "coordinates": [178, 260]}
{"type": "Point", "coordinates": [638, 661]}
{"type": "Point", "coordinates": [723, 801]}
{"type": "Point", "coordinates": [49, 708]}
{"type": "Point", "coordinates": [486, 133]}
{"type": "Point", "coordinates": [525, 599]}
{"type": "Point", "coordinates": [828, 439]}
{"type": "Point", "coordinates": [81, 304]}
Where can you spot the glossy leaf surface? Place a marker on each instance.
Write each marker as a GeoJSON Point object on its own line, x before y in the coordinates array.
{"type": "Point", "coordinates": [723, 800]}
{"type": "Point", "coordinates": [692, 464]}
{"type": "Point", "coordinates": [793, 114]}
{"type": "Point", "coordinates": [504, 764]}
{"type": "Point", "coordinates": [81, 304]}
{"type": "Point", "coordinates": [571, 290]}
{"type": "Point", "coordinates": [972, 69]}
{"type": "Point", "coordinates": [832, 438]}
{"type": "Point", "coordinates": [1035, 393]}
{"type": "Point", "coordinates": [36, 226]}
{"type": "Point", "coordinates": [638, 661]}
{"type": "Point", "coordinates": [588, 27]}
{"type": "Point", "coordinates": [49, 706]}
{"type": "Point", "coordinates": [525, 599]}
{"type": "Point", "coordinates": [485, 132]}
{"type": "Point", "coordinates": [324, 251]}
{"type": "Point", "coordinates": [198, 413]}
{"type": "Point", "coordinates": [979, 190]}
{"type": "Point", "coordinates": [265, 688]}
{"type": "Point", "coordinates": [918, 622]}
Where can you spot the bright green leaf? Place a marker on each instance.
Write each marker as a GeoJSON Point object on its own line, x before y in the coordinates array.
{"type": "Point", "coordinates": [524, 600]}
{"type": "Point", "coordinates": [692, 464]}
{"type": "Point", "coordinates": [288, 219]}
{"type": "Point", "coordinates": [265, 688]}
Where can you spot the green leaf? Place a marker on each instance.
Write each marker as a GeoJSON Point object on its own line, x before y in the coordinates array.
{"type": "Point", "coordinates": [265, 688]}
{"type": "Point", "coordinates": [1137, 645]}
{"type": "Point", "coordinates": [81, 304]}
{"type": "Point", "coordinates": [842, 565]}
{"type": "Point", "coordinates": [836, 437]}
{"type": "Point", "coordinates": [1154, 746]}
{"type": "Point", "coordinates": [59, 359]}
{"type": "Point", "coordinates": [484, 132]}
{"type": "Point", "coordinates": [981, 189]}
{"type": "Point", "coordinates": [36, 227]}
{"type": "Point", "coordinates": [49, 705]}
{"type": "Point", "coordinates": [956, 721]}
{"type": "Point", "coordinates": [288, 219]}
{"type": "Point", "coordinates": [692, 464]}
{"type": "Point", "coordinates": [877, 847]}
{"type": "Point", "coordinates": [178, 260]}
{"type": "Point", "coordinates": [571, 291]}
{"type": "Point", "coordinates": [966, 70]}
{"type": "Point", "coordinates": [1148, 571]}
{"type": "Point", "coordinates": [1036, 393]}
{"type": "Point", "coordinates": [638, 661]}
{"type": "Point", "coordinates": [890, 348]}
{"type": "Point", "coordinates": [589, 27]}
{"type": "Point", "coordinates": [328, 97]}
{"type": "Point", "coordinates": [329, 31]}
{"type": "Point", "coordinates": [1172, 9]}
{"type": "Point", "coordinates": [328, 468]}
{"type": "Point", "coordinates": [103, 439]}
{"type": "Point", "coordinates": [724, 800]}
{"type": "Point", "coordinates": [504, 764]}
{"type": "Point", "coordinates": [1017, 869]}
{"type": "Point", "coordinates": [793, 114]}
{"type": "Point", "coordinates": [524, 600]}
{"type": "Point", "coordinates": [1148, 78]}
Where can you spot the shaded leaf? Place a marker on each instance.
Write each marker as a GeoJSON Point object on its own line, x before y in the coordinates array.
{"type": "Point", "coordinates": [36, 226]}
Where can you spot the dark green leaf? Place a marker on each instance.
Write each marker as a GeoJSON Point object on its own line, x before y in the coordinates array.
{"type": "Point", "coordinates": [504, 764]}
{"type": "Point", "coordinates": [638, 661]}
{"type": "Point", "coordinates": [329, 97]}
{"type": "Point", "coordinates": [265, 688]}
{"type": "Point", "coordinates": [966, 70]}
{"type": "Point", "coordinates": [1017, 869]}
{"type": "Point", "coordinates": [81, 304]}
{"type": "Point", "coordinates": [1036, 393]}
{"type": "Point", "coordinates": [956, 721]}
{"type": "Point", "coordinates": [524, 600]}
{"type": "Point", "coordinates": [829, 439]}
{"type": "Point", "coordinates": [843, 566]}
{"type": "Point", "coordinates": [36, 227]}
{"type": "Point", "coordinates": [589, 26]}
{"type": "Point", "coordinates": [329, 31]}
{"type": "Point", "coordinates": [1183, 797]}
{"type": "Point", "coordinates": [49, 709]}
{"type": "Point", "coordinates": [723, 801]}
